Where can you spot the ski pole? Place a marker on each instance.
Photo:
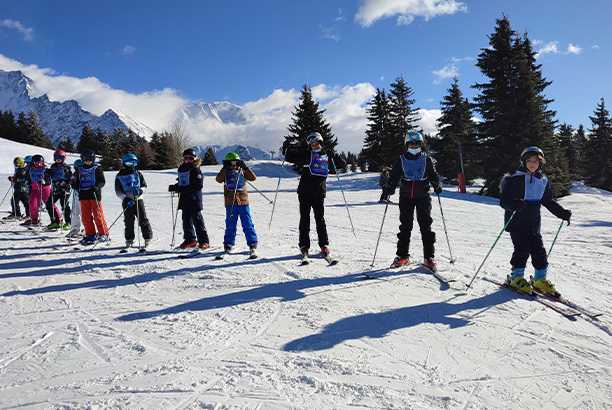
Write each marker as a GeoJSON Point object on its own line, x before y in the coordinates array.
{"type": "Point", "coordinates": [499, 236]}
{"type": "Point", "coordinates": [174, 215]}
{"type": "Point", "coordinates": [555, 240]}
{"type": "Point", "coordinates": [73, 205]}
{"type": "Point", "coordinates": [347, 208]}
{"type": "Point", "coordinates": [138, 221]}
{"type": "Point", "coordinates": [276, 193]}
{"type": "Point", "coordinates": [445, 231]}
{"type": "Point", "coordinates": [235, 191]}
{"type": "Point", "coordinates": [113, 224]}
{"type": "Point", "coordinates": [380, 233]}
{"type": "Point", "coordinates": [102, 219]}
{"type": "Point", "coordinates": [253, 186]}
{"type": "Point", "coordinates": [5, 195]}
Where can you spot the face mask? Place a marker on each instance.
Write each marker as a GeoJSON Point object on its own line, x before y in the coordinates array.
{"type": "Point", "coordinates": [317, 150]}
{"type": "Point", "coordinates": [414, 151]}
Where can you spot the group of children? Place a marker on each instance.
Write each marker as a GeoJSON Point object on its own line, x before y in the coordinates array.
{"type": "Point", "coordinates": [522, 195]}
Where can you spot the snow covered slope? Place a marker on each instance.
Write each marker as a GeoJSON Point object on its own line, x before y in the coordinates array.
{"type": "Point", "coordinates": [98, 329]}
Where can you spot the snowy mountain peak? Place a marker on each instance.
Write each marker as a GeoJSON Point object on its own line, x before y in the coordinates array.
{"type": "Point", "coordinates": [222, 111]}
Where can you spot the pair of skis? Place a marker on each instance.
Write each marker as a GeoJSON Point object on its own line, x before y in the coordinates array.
{"type": "Point", "coordinates": [330, 261]}
{"type": "Point", "coordinates": [445, 280]}
{"type": "Point", "coordinates": [226, 252]}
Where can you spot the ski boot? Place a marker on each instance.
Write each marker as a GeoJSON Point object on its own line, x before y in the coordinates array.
{"type": "Point", "coordinates": [148, 243]}
{"type": "Point", "coordinates": [30, 222]}
{"type": "Point", "coordinates": [129, 243]}
{"type": "Point", "coordinates": [399, 261]}
{"type": "Point", "coordinates": [67, 227]}
{"type": "Point", "coordinates": [253, 251]}
{"type": "Point", "coordinates": [188, 244]}
{"type": "Point", "coordinates": [54, 225]}
{"type": "Point", "coordinates": [540, 282]}
{"type": "Point", "coordinates": [88, 240]}
{"type": "Point", "coordinates": [430, 264]}
{"type": "Point", "coordinates": [203, 246]}
{"type": "Point", "coordinates": [517, 281]}
{"type": "Point", "coordinates": [325, 250]}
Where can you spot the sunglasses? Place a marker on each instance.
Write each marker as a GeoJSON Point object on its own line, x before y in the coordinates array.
{"type": "Point", "coordinates": [188, 158]}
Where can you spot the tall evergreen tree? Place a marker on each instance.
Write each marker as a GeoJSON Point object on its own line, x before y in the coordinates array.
{"type": "Point", "coordinates": [31, 131]}
{"type": "Point", "coordinates": [598, 151]}
{"type": "Point", "coordinates": [308, 118]}
{"type": "Point", "coordinates": [66, 145]}
{"type": "Point", "coordinates": [378, 131]}
{"type": "Point", "coordinates": [403, 117]}
{"type": "Point", "coordinates": [579, 143]}
{"type": "Point", "coordinates": [457, 132]}
{"type": "Point", "coordinates": [513, 108]}
{"type": "Point", "coordinates": [8, 126]}
{"type": "Point", "coordinates": [88, 140]}
{"type": "Point", "coordinates": [165, 151]}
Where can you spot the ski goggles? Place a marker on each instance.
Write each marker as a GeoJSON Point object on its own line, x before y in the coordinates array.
{"type": "Point", "coordinates": [56, 157]}
{"type": "Point", "coordinates": [89, 159]}
{"type": "Point", "coordinates": [188, 158]}
{"type": "Point", "coordinates": [131, 163]}
{"type": "Point", "coordinates": [39, 164]}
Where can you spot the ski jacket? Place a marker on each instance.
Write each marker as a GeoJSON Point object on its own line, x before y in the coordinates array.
{"type": "Point", "coordinates": [235, 182]}
{"type": "Point", "coordinates": [60, 177]}
{"type": "Point", "coordinates": [89, 180]}
{"type": "Point", "coordinates": [535, 191]}
{"type": "Point", "coordinates": [414, 174]}
{"type": "Point", "coordinates": [189, 186]}
{"type": "Point", "coordinates": [129, 183]}
{"type": "Point", "coordinates": [21, 180]}
{"type": "Point", "coordinates": [314, 169]}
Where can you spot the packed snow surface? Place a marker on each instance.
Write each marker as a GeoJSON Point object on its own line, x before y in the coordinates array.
{"type": "Point", "coordinates": [83, 329]}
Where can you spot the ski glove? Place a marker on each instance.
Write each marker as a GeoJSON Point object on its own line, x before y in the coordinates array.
{"type": "Point", "coordinates": [438, 189]}
{"type": "Point", "coordinates": [131, 203]}
{"type": "Point", "coordinates": [518, 205]}
{"type": "Point", "coordinates": [173, 188]}
{"type": "Point", "coordinates": [566, 216]}
{"type": "Point", "coordinates": [241, 164]}
{"type": "Point", "coordinates": [286, 145]}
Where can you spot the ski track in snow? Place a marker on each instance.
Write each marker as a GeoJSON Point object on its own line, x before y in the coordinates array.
{"type": "Point", "coordinates": [98, 329]}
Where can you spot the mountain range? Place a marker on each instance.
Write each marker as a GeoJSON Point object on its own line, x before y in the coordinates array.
{"type": "Point", "coordinates": [67, 119]}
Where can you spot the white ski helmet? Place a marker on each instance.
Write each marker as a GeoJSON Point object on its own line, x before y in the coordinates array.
{"type": "Point", "coordinates": [413, 136]}
{"type": "Point", "coordinates": [314, 137]}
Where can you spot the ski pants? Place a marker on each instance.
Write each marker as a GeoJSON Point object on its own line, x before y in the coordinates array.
{"type": "Point", "coordinates": [192, 218]}
{"type": "Point", "coordinates": [316, 203]}
{"type": "Point", "coordinates": [24, 198]}
{"type": "Point", "coordinates": [231, 220]}
{"type": "Point", "coordinates": [93, 217]}
{"type": "Point", "coordinates": [52, 210]}
{"type": "Point", "coordinates": [130, 215]}
{"type": "Point", "coordinates": [525, 245]}
{"type": "Point", "coordinates": [75, 215]}
{"type": "Point", "coordinates": [38, 197]}
{"type": "Point", "coordinates": [407, 207]}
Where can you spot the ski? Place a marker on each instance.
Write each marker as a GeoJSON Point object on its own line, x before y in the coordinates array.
{"type": "Point", "coordinates": [222, 256]}
{"type": "Point", "coordinates": [566, 302]}
{"type": "Point", "coordinates": [331, 261]}
{"type": "Point", "coordinates": [438, 275]}
{"type": "Point", "coordinates": [194, 253]}
{"type": "Point", "coordinates": [546, 302]}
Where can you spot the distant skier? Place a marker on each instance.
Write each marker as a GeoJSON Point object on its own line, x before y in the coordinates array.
{"type": "Point", "coordinates": [415, 172]}
{"type": "Point", "coordinates": [75, 214]}
{"type": "Point", "coordinates": [60, 190]}
{"type": "Point", "coordinates": [89, 180]}
{"type": "Point", "coordinates": [189, 188]}
{"type": "Point", "coordinates": [383, 182]}
{"type": "Point", "coordinates": [40, 180]}
{"type": "Point", "coordinates": [21, 190]}
{"type": "Point", "coordinates": [130, 185]}
{"type": "Point", "coordinates": [312, 188]}
{"type": "Point", "coordinates": [234, 175]}
{"type": "Point", "coordinates": [524, 193]}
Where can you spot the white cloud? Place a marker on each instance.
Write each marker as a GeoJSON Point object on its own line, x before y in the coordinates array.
{"type": "Point", "coordinates": [128, 50]}
{"type": "Point", "coordinates": [572, 49]}
{"type": "Point", "coordinates": [448, 71]}
{"type": "Point", "coordinates": [595, 46]}
{"type": "Point", "coordinates": [372, 10]}
{"type": "Point", "coordinates": [154, 108]}
{"type": "Point", "coordinates": [551, 47]}
{"type": "Point", "coordinates": [428, 120]}
{"type": "Point", "coordinates": [331, 33]}
{"type": "Point", "coordinates": [28, 33]}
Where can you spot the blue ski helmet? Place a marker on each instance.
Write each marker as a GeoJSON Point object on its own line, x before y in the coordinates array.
{"type": "Point", "coordinates": [130, 160]}
{"type": "Point", "coordinates": [28, 159]}
{"type": "Point", "coordinates": [314, 137]}
{"type": "Point", "coordinates": [78, 163]}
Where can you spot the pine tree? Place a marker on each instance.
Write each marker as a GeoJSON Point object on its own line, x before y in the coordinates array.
{"type": "Point", "coordinates": [308, 118]}
{"type": "Point", "coordinates": [457, 135]}
{"type": "Point", "coordinates": [8, 126]}
{"type": "Point", "coordinates": [571, 147]}
{"type": "Point", "coordinates": [87, 140]}
{"type": "Point", "coordinates": [598, 151]}
{"type": "Point", "coordinates": [209, 157]}
{"type": "Point", "coordinates": [66, 145]}
{"type": "Point", "coordinates": [31, 132]}
{"type": "Point", "coordinates": [513, 108]}
{"type": "Point", "coordinates": [579, 142]}
{"type": "Point", "coordinates": [378, 131]}
{"type": "Point", "coordinates": [403, 118]}
{"type": "Point", "coordinates": [165, 149]}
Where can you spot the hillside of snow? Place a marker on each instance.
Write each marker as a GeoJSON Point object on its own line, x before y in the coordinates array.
{"type": "Point", "coordinates": [83, 329]}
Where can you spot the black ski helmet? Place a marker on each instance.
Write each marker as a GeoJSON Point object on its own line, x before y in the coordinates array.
{"type": "Point", "coordinates": [88, 155]}
{"type": "Point", "coordinates": [37, 158]}
{"type": "Point", "coordinates": [189, 151]}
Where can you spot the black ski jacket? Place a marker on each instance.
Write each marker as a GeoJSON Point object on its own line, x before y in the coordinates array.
{"type": "Point", "coordinates": [314, 185]}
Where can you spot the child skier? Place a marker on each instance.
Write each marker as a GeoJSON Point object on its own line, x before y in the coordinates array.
{"type": "Point", "coordinates": [75, 215]}
{"type": "Point", "coordinates": [40, 179]}
{"type": "Point", "coordinates": [189, 188]}
{"type": "Point", "coordinates": [312, 188]}
{"type": "Point", "coordinates": [21, 191]}
{"type": "Point", "coordinates": [89, 180]}
{"type": "Point", "coordinates": [521, 196]}
{"type": "Point", "coordinates": [383, 182]}
{"type": "Point", "coordinates": [234, 175]}
{"type": "Point", "coordinates": [130, 185]}
{"type": "Point", "coordinates": [60, 189]}
{"type": "Point", "coordinates": [415, 171]}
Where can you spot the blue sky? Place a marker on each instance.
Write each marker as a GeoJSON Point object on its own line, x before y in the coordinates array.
{"type": "Point", "coordinates": [147, 58]}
